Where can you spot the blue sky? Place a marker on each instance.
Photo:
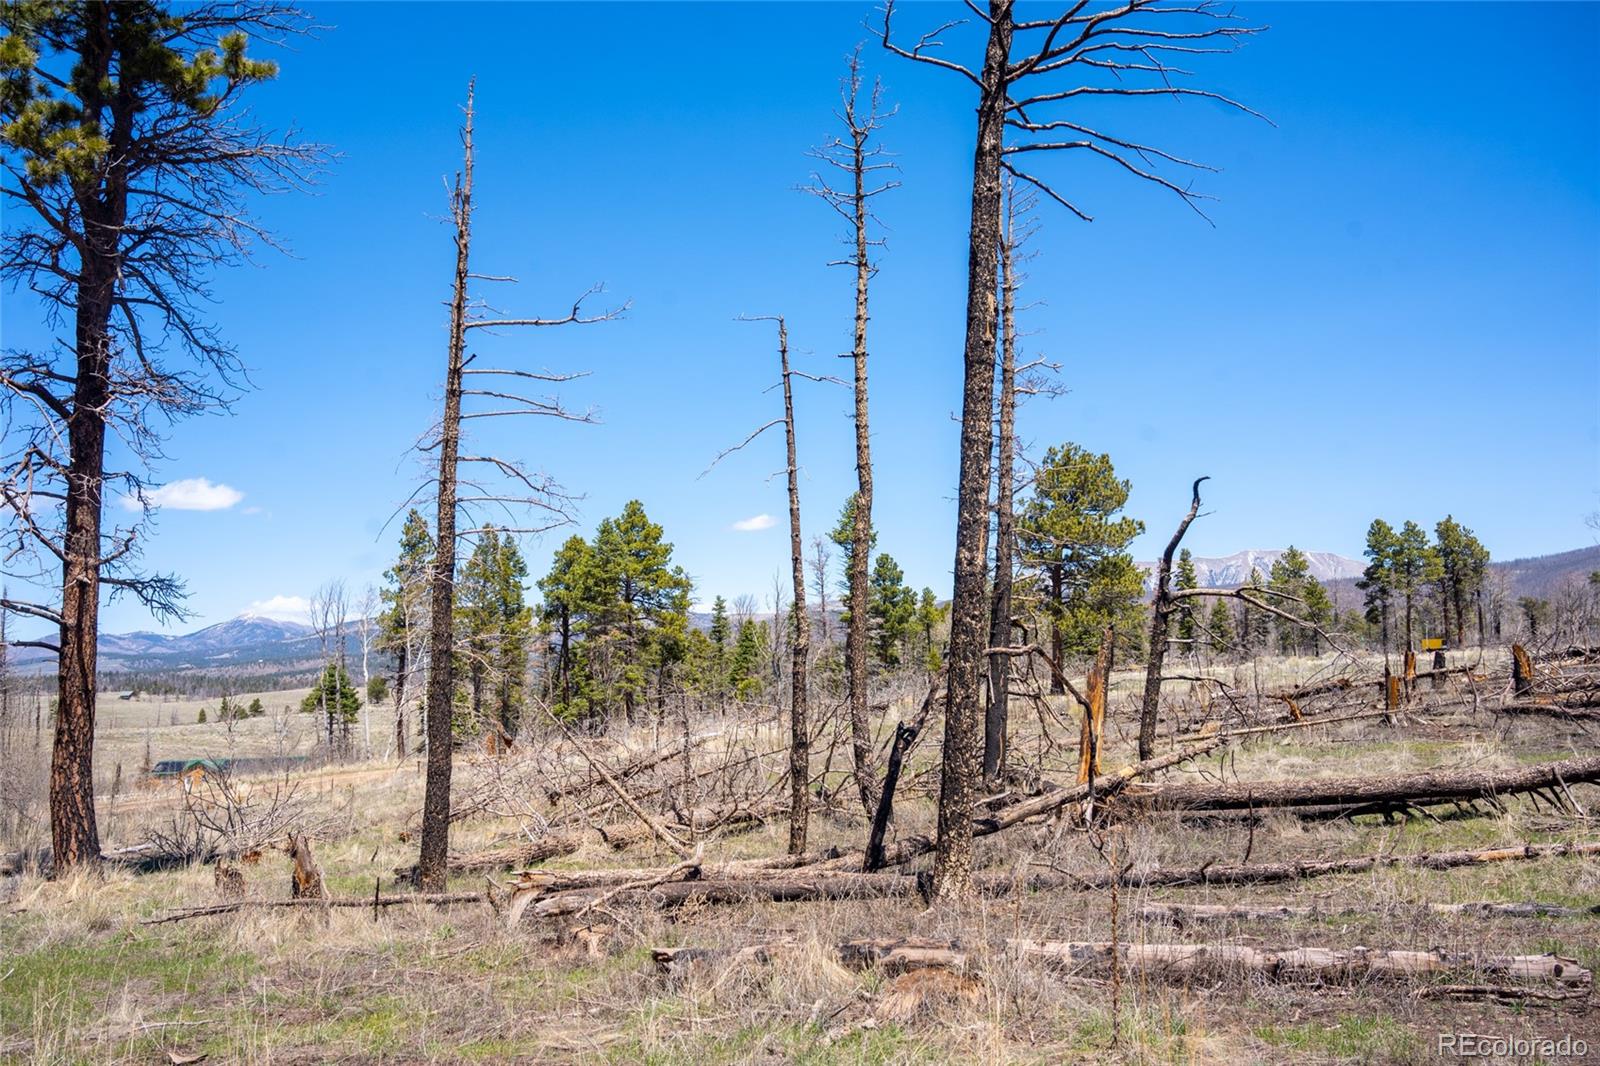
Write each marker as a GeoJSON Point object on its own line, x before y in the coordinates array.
{"type": "Point", "coordinates": [1396, 313]}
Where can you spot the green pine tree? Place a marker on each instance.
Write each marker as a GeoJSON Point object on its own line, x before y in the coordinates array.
{"type": "Point", "coordinates": [747, 670]}
{"type": "Point", "coordinates": [1416, 567]}
{"type": "Point", "coordinates": [493, 627]}
{"type": "Point", "coordinates": [930, 615]}
{"type": "Point", "coordinates": [1377, 581]}
{"type": "Point", "coordinates": [1186, 578]}
{"type": "Point", "coordinates": [1220, 627]}
{"type": "Point", "coordinates": [893, 610]}
{"type": "Point", "coordinates": [1463, 562]}
{"type": "Point", "coordinates": [335, 694]}
{"type": "Point", "coordinates": [1074, 539]}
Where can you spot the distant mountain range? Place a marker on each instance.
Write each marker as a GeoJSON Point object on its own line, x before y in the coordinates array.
{"type": "Point", "coordinates": [243, 641]}
{"type": "Point", "coordinates": [250, 641]}
{"type": "Point", "coordinates": [1229, 571]}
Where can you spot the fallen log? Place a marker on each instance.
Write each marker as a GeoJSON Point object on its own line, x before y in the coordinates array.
{"type": "Point", "coordinates": [1056, 798]}
{"type": "Point", "coordinates": [1184, 913]}
{"type": "Point", "coordinates": [1578, 712]}
{"type": "Point", "coordinates": [1280, 727]}
{"type": "Point", "coordinates": [1324, 963]}
{"type": "Point", "coordinates": [1434, 786]}
{"type": "Point", "coordinates": [814, 886]}
{"type": "Point", "coordinates": [1265, 873]}
{"type": "Point", "coordinates": [440, 899]}
{"type": "Point", "coordinates": [550, 846]}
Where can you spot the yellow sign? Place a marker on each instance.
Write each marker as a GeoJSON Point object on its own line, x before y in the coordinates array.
{"type": "Point", "coordinates": [1432, 643]}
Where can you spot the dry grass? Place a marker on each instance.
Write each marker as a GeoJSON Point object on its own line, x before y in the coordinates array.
{"type": "Point", "coordinates": [82, 981]}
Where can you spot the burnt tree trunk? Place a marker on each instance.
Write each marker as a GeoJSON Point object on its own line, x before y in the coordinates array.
{"type": "Point", "coordinates": [952, 873]}
{"type": "Point", "coordinates": [856, 636]}
{"type": "Point", "coordinates": [431, 863]}
{"type": "Point", "coordinates": [1160, 616]}
{"type": "Point", "coordinates": [994, 727]}
{"type": "Point", "coordinates": [401, 661]}
{"type": "Point", "coordinates": [1521, 671]}
{"type": "Point", "coordinates": [905, 737]}
{"type": "Point", "coordinates": [800, 646]}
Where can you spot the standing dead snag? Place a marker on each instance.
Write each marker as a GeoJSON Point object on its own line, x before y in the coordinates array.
{"type": "Point", "coordinates": [1521, 671]}
{"type": "Point", "coordinates": [905, 738]}
{"type": "Point", "coordinates": [1083, 43]}
{"type": "Point", "coordinates": [998, 710]}
{"type": "Point", "coordinates": [519, 488]}
{"type": "Point", "coordinates": [128, 157]}
{"type": "Point", "coordinates": [800, 644]}
{"type": "Point", "coordinates": [1094, 715]}
{"type": "Point", "coordinates": [857, 155]}
{"type": "Point", "coordinates": [1160, 611]}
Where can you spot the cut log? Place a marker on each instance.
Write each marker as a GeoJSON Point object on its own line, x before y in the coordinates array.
{"type": "Point", "coordinates": [1435, 786]}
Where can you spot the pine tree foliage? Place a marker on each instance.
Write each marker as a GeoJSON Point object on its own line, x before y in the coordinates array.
{"type": "Point", "coordinates": [1073, 540]}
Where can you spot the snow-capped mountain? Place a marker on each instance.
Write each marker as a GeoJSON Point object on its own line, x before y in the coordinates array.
{"type": "Point", "coordinates": [1229, 571]}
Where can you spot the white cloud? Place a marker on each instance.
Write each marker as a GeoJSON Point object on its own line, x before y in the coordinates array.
{"type": "Point", "coordinates": [282, 609]}
{"type": "Point", "coordinates": [758, 522]}
{"type": "Point", "coordinates": [189, 494]}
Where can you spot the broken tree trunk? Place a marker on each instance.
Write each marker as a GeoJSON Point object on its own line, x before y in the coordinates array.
{"type": "Point", "coordinates": [1434, 786]}
{"type": "Point", "coordinates": [1521, 671]}
{"type": "Point", "coordinates": [1094, 715]}
{"type": "Point", "coordinates": [905, 737]}
{"type": "Point", "coordinates": [1160, 616]}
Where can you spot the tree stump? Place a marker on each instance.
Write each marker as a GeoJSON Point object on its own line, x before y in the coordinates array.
{"type": "Point", "coordinates": [229, 881]}
{"type": "Point", "coordinates": [1521, 671]}
{"type": "Point", "coordinates": [306, 882]}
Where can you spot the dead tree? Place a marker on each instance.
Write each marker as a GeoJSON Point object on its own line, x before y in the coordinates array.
{"type": "Point", "coordinates": [128, 159]}
{"type": "Point", "coordinates": [800, 642]}
{"type": "Point", "coordinates": [1160, 616]}
{"type": "Point", "coordinates": [1000, 604]}
{"type": "Point", "coordinates": [857, 155]}
{"type": "Point", "coordinates": [1125, 44]}
{"type": "Point", "coordinates": [504, 484]}
{"type": "Point", "coordinates": [1168, 601]}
